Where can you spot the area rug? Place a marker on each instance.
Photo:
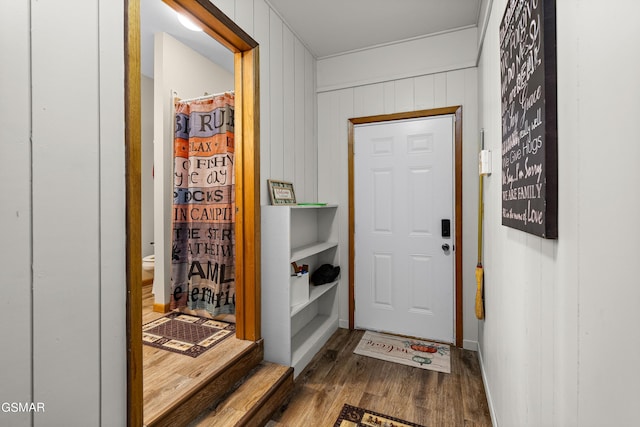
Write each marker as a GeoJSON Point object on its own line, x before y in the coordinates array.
{"type": "Point", "coordinates": [352, 416]}
{"type": "Point", "coordinates": [407, 351]}
{"type": "Point", "coordinates": [185, 334]}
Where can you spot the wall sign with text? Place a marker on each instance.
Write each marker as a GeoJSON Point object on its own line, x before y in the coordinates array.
{"type": "Point", "coordinates": [529, 110]}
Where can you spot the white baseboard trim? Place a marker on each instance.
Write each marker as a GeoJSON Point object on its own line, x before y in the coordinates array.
{"type": "Point", "coordinates": [492, 411]}
{"type": "Point", "coordinates": [344, 324]}
{"type": "Point", "coordinates": [470, 345]}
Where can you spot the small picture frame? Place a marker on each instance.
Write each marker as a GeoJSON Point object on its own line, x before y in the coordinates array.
{"type": "Point", "coordinates": [281, 192]}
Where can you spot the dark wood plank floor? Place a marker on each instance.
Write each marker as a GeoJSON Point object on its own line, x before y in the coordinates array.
{"type": "Point", "coordinates": [337, 376]}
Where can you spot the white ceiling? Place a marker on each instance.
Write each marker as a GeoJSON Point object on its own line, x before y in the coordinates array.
{"type": "Point", "coordinates": [156, 16]}
{"type": "Point", "coordinates": [329, 27]}
{"type": "Point", "coordinates": [326, 27]}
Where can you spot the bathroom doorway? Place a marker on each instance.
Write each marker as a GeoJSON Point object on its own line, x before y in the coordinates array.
{"type": "Point", "coordinates": [245, 57]}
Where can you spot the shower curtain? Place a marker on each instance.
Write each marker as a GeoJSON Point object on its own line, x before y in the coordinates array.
{"type": "Point", "coordinates": [203, 235]}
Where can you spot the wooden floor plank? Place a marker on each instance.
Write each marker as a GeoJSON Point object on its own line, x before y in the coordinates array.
{"type": "Point", "coordinates": [168, 376]}
{"type": "Point", "coordinates": [337, 376]}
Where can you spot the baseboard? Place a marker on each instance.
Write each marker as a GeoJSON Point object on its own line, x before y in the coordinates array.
{"type": "Point", "coordinates": [470, 345]}
{"type": "Point", "coordinates": [161, 308]}
{"type": "Point", "coordinates": [344, 324]}
{"type": "Point", "coordinates": [492, 412]}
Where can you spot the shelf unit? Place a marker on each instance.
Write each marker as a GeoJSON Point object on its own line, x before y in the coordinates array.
{"type": "Point", "coordinates": [294, 332]}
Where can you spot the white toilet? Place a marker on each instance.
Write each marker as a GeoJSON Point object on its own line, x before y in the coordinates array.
{"type": "Point", "coordinates": [148, 262]}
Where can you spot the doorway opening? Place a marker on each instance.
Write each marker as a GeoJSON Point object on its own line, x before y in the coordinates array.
{"type": "Point", "coordinates": [456, 111]}
{"type": "Point", "coordinates": [247, 172]}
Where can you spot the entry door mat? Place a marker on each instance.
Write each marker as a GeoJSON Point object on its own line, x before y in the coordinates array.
{"type": "Point", "coordinates": [352, 416]}
{"type": "Point", "coordinates": [186, 334]}
{"type": "Point", "coordinates": [406, 351]}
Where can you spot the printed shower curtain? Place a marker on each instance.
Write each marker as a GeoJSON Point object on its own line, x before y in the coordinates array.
{"type": "Point", "coordinates": [203, 255]}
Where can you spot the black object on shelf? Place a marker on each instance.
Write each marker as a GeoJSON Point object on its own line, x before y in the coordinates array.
{"type": "Point", "coordinates": [326, 273]}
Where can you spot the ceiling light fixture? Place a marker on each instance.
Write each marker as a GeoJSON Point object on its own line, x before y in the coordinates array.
{"type": "Point", "coordinates": [188, 23]}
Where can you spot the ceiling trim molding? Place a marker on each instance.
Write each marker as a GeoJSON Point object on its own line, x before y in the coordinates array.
{"type": "Point", "coordinates": [371, 81]}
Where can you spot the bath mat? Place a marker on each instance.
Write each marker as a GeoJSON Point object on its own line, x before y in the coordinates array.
{"type": "Point", "coordinates": [352, 416]}
{"type": "Point", "coordinates": [185, 334]}
{"type": "Point", "coordinates": [407, 351]}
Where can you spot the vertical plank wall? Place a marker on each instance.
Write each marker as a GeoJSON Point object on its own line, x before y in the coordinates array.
{"type": "Point", "coordinates": [63, 311]}
{"type": "Point", "coordinates": [63, 273]}
{"type": "Point", "coordinates": [560, 341]}
{"type": "Point", "coordinates": [335, 107]}
{"type": "Point", "coordinates": [15, 213]}
{"type": "Point", "coordinates": [288, 147]}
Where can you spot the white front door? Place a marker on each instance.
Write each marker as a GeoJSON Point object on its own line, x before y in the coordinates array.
{"type": "Point", "coordinates": [403, 185]}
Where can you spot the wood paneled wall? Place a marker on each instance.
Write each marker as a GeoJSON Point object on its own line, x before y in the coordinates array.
{"type": "Point", "coordinates": [63, 215]}
{"type": "Point", "coordinates": [557, 311]}
{"type": "Point", "coordinates": [456, 87]}
{"type": "Point", "coordinates": [288, 146]}
{"type": "Point", "coordinates": [15, 212]}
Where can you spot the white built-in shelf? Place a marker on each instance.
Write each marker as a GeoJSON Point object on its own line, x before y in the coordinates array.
{"type": "Point", "coordinates": [314, 206]}
{"type": "Point", "coordinates": [306, 234]}
{"type": "Point", "coordinates": [302, 342]}
{"type": "Point", "coordinates": [315, 292]}
{"type": "Point", "coordinates": [311, 249]}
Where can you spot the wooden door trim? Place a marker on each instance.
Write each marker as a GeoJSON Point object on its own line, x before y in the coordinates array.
{"type": "Point", "coordinates": [457, 112]}
{"type": "Point", "coordinates": [247, 169]}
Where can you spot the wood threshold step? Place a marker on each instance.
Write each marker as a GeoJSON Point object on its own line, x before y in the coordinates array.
{"type": "Point", "coordinates": [210, 391]}
{"type": "Point", "coordinates": [256, 398]}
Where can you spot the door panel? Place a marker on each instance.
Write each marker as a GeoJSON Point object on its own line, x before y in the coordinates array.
{"type": "Point", "coordinates": [403, 188]}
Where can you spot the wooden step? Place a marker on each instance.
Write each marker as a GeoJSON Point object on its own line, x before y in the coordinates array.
{"type": "Point", "coordinates": [254, 399]}
{"type": "Point", "coordinates": [208, 390]}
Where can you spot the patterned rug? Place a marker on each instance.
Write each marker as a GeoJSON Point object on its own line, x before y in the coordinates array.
{"type": "Point", "coordinates": [407, 351]}
{"type": "Point", "coordinates": [185, 334]}
{"type": "Point", "coordinates": [352, 416]}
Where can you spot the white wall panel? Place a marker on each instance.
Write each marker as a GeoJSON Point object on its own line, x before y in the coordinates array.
{"type": "Point", "coordinates": [15, 212]}
{"type": "Point", "coordinates": [404, 95]}
{"type": "Point", "coordinates": [389, 97]}
{"type": "Point", "coordinates": [298, 121]}
{"type": "Point", "coordinates": [113, 364]}
{"type": "Point", "coordinates": [421, 56]}
{"type": "Point", "coordinates": [288, 98]}
{"type": "Point", "coordinates": [552, 306]}
{"type": "Point", "coordinates": [244, 16]}
{"type": "Point", "coordinates": [262, 20]}
{"type": "Point", "coordinates": [369, 100]}
{"type": "Point", "coordinates": [310, 128]}
{"type": "Point", "coordinates": [276, 99]}
{"type": "Point", "coordinates": [424, 96]}
{"type": "Point", "coordinates": [66, 213]}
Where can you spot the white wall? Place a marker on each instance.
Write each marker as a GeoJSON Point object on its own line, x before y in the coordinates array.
{"type": "Point", "coordinates": [182, 72]}
{"type": "Point", "coordinates": [62, 162]}
{"type": "Point", "coordinates": [560, 343]}
{"type": "Point", "coordinates": [420, 56]}
{"type": "Point", "coordinates": [63, 214]}
{"type": "Point", "coordinates": [417, 92]}
{"type": "Point", "coordinates": [288, 146]}
{"type": "Point", "coordinates": [147, 169]}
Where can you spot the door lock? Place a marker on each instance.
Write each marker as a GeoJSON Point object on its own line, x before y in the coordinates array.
{"type": "Point", "coordinates": [445, 247]}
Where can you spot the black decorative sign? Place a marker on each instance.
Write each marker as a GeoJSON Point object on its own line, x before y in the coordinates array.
{"type": "Point", "coordinates": [529, 107]}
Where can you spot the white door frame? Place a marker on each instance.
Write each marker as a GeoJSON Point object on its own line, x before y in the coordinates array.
{"type": "Point", "coordinates": [457, 112]}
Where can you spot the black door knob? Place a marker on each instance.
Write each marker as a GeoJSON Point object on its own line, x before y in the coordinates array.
{"type": "Point", "coordinates": [445, 247]}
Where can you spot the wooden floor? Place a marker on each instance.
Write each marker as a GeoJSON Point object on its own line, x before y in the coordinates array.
{"type": "Point", "coordinates": [168, 375]}
{"type": "Point", "coordinates": [337, 376]}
